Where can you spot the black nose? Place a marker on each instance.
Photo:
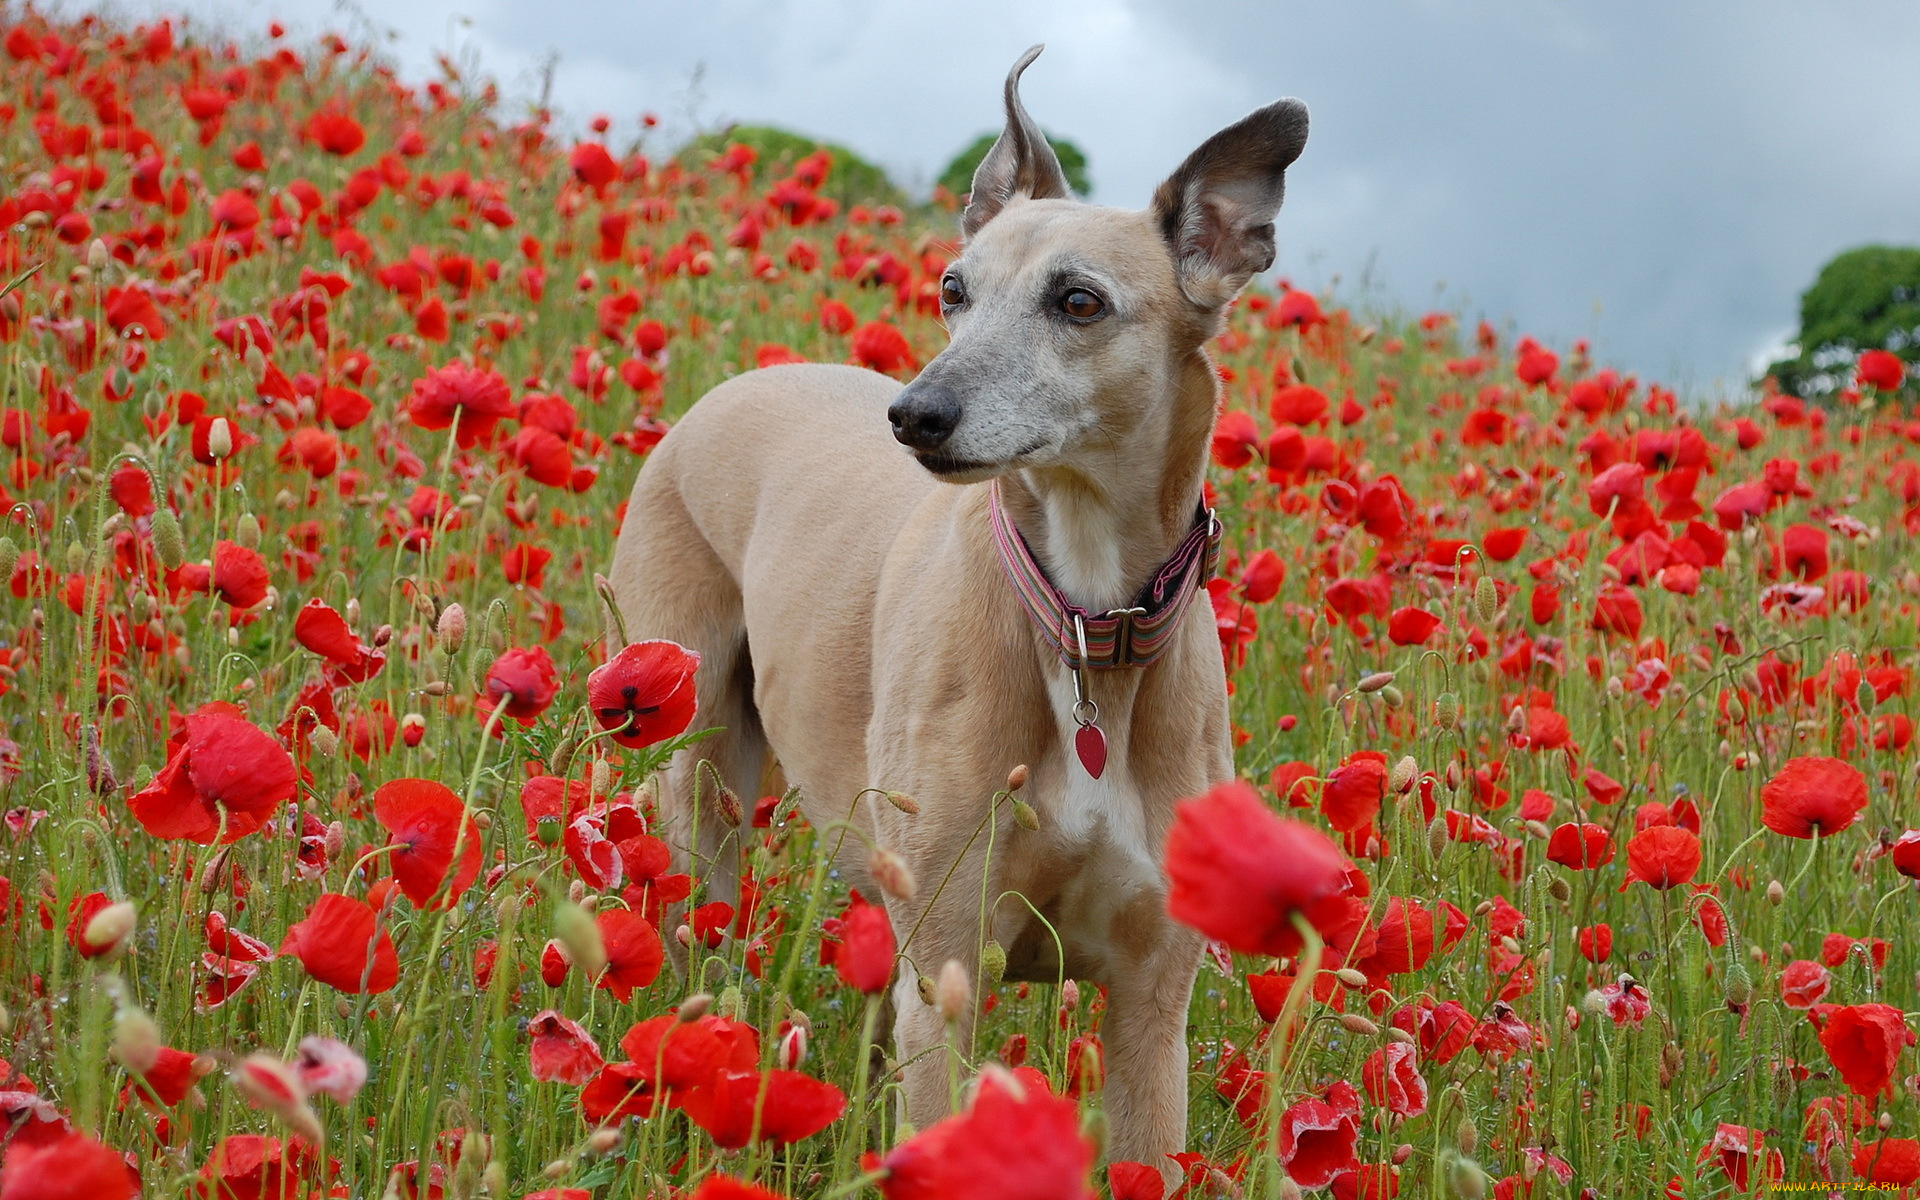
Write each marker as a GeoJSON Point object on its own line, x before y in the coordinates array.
{"type": "Point", "coordinates": [924, 417]}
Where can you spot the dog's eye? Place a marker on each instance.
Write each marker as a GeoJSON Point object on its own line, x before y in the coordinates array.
{"type": "Point", "coordinates": [1081, 305]}
{"type": "Point", "coordinates": [952, 293]}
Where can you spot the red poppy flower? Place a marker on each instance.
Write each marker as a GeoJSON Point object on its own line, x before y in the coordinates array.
{"type": "Point", "coordinates": [335, 132]}
{"type": "Point", "coordinates": [1864, 1042]}
{"type": "Point", "coordinates": [1401, 943]}
{"type": "Point", "coordinates": [1813, 794]}
{"type": "Point", "coordinates": [1617, 610]}
{"type": "Point", "coordinates": [524, 681]}
{"type": "Point", "coordinates": [1596, 943]}
{"type": "Point", "coordinates": [321, 629]}
{"type": "Point", "coordinates": [239, 575]}
{"type": "Point", "coordinates": [1804, 983]}
{"type": "Point", "coordinates": [781, 1107]}
{"type": "Point", "coordinates": [1503, 545]}
{"type": "Point", "coordinates": [333, 940]}
{"type": "Point", "coordinates": [1580, 846]}
{"type": "Point", "coordinates": [561, 1051]}
{"type": "Point", "coordinates": [1239, 873]}
{"type": "Point", "coordinates": [1261, 579]}
{"type": "Point", "coordinates": [1889, 1160]}
{"type": "Point", "coordinates": [1014, 1142]}
{"type": "Point", "coordinates": [634, 952]}
{"type": "Point", "coordinates": [224, 765]}
{"type": "Point", "coordinates": [1906, 854]}
{"type": "Point", "coordinates": [476, 398]}
{"type": "Point", "coordinates": [1235, 439]}
{"type": "Point", "coordinates": [1318, 1141]}
{"type": "Point", "coordinates": [1881, 369]}
{"type": "Point", "coordinates": [252, 1166]}
{"type": "Point", "coordinates": [1351, 797]}
{"type": "Point", "coordinates": [676, 1056]}
{"type": "Point", "coordinates": [646, 691]}
{"type": "Point", "coordinates": [1393, 1081]}
{"type": "Point", "coordinates": [864, 957]}
{"type": "Point", "coordinates": [72, 1167]}
{"type": "Point", "coordinates": [1803, 552]}
{"type": "Point", "coordinates": [1135, 1181]}
{"type": "Point", "coordinates": [1411, 626]}
{"type": "Point", "coordinates": [427, 821]}
{"type": "Point", "coordinates": [1663, 857]}
{"type": "Point", "coordinates": [593, 165]}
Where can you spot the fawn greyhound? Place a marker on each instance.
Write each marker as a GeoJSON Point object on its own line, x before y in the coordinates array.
{"type": "Point", "coordinates": [1007, 589]}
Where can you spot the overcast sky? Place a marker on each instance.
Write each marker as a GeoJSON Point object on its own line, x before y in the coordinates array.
{"type": "Point", "coordinates": [1663, 176]}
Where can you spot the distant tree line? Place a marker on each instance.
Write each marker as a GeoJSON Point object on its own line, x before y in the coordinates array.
{"type": "Point", "coordinates": [1865, 299]}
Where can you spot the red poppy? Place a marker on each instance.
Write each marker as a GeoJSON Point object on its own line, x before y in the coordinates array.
{"type": "Point", "coordinates": [1804, 983]}
{"type": "Point", "coordinates": [1581, 846]}
{"type": "Point", "coordinates": [239, 575]}
{"type": "Point", "coordinates": [1889, 1160]}
{"type": "Point", "coordinates": [593, 165]}
{"type": "Point", "coordinates": [634, 952]}
{"type": "Point", "coordinates": [1235, 439]}
{"type": "Point", "coordinates": [321, 629]}
{"type": "Point", "coordinates": [523, 564]}
{"type": "Point", "coordinates": [880, 346]}
{"type": "Point", "coordinates": [561, 1051]}
{"type": "Point", "coordinates": [716, 1187]}
{"type": "Point", "coordinates": [254, 1167]}
{"type": "Point", "coordinates": [1351, 797]}
{"type": "Point", "coordinates": [1881, 369]}
{"type": "Point", "coordinates": [477, 399]}
{"type": "Point", "coordinates": [1317, 1141]}
{"type": "Point", "coordinates": [72, 1167]}
{"type": "Point", "coordinates": [1803, 552]}
{"type": "Point", "coordinates": [1401, 943]}
{"type": "Point", "coordinates": [1261, 579]}
{"type": "Point", "coordinates": [783, 1107]}
{"type": "Point", "coordinates": [1135, 1181]}
{"type": "Point", "coordinates": [864, 957]}
{"type": "Point", "coordinates": [224, 766]}
{"type": "Point", "coordinates": [1411, 626]}
{"type": "Point", "coordinates": [646, 691]}
{"type": "Point", "coordinates": [675, 1056]}
{"type": "Point", "coordinates": [524, 681]}
{"type": "Point", "coordinates": [335, 132]}
{"type": "Point", "coordinates": [1503, 545]}
{"type": "Point", "coordinates": [333, 940]}
{"type": "Point", "coordinates": [1864, 1042]}
{"type": "Point", "coordinates": [1393, 1081]}
{"type": "Point", "coordinates": [1813, 794]}
{"type": "Point", "coordinates": [427, 821]}
{"type": "Point", "coordinates": [1663, 857]}
{"type": "Point", "coordinates": [1239, 873]}
{"type": "Point", "coordinates": [1617, 610]}
{"type": "Point", "coordinates": [1015, 1141]}
{"type": "Point", "coordinates": [1596, 943]}
{"type": "Point", "coordinates": [1906, 854]}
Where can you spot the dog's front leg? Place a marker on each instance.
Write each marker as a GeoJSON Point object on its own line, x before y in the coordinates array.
{"type": "Point", "coordinates": [935, 1047]}
{"type": "Point", "coordinates": [1146, 1048]}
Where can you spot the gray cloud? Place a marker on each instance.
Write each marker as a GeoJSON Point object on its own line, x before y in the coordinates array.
{"type": "Point", "coordinates": [1664, 178]}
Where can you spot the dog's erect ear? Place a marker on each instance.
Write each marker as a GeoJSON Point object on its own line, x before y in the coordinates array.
{"type": "Point", "coordinates": [1216, 211]}
{"type": "Point", "coordinates": [1020, 163]}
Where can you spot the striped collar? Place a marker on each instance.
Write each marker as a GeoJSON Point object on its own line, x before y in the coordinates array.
{"type": "Point", "coordinates": [1121, 637]}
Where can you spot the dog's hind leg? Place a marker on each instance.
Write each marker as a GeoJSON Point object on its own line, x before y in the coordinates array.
{"type": "Point", "coordinates": [671, 584]}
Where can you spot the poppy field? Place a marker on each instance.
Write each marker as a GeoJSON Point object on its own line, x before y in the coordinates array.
{"type": "Point", "coordinates": [1574, 849]}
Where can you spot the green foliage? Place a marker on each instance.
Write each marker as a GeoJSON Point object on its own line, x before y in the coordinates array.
{"type": "Point", "coordinates": [1865, 299]}
{"type": "Point", "coordinates": [957, 178]}
{"type": "Point", "coordinates": [853, 180]}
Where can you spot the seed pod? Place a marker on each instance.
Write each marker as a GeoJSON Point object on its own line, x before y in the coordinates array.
{"type": "Point", "coordinates": [1486, 600]}
{"type": "Point", "coordinates": [993, 964]}
{"type": "Point", "coordinates": [1401, 778]}
{"type": "Point", "coordinates": [954, 992]}
{"type": "Point", "coordinates": [1025, 817]}
{"type": "Point", "coordinates": [891, 872]}
{"type": "Point", "coordinates": [1374, 682]}
{"type": "Point", "coordinates": [168, 541]}
{"type": "Point", "coordinates": [246, 531]}
{"type": "Point", "coordinates": [1446, 710]}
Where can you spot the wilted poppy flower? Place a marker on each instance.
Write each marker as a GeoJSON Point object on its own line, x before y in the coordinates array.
{"type": "Point", "coordinates": [524, 682]}
{"type": "Point", "coordinates": [783, 1107]}
{"type": "Point", "coordinates": [475, 398]}
{"type": "Point", "coordinates": [646, 691]}
{"type": "Point", "coordinates": [427, 822]}
{"type": "Point", "coordinates": [1864, 1042]}
{"type": "Point", "coordinates": [333, 944]}
{"type": "Point", "coordinates": [1662, 856]}
{"type": "Point", "coordinates": [1813, 794]}
{"type": "Point", "coordinates": [864, 957]}
{"type": "Point", "coordinates": [1239, 873]}
{"type": "Point", "coordinates": [67, 1168]}
{"type": "Point", "coordinates": [562, 1051]}
{"type": "Point", "coordinates": [225, 767]}
{"type": "Point", "coordinates": [1013, 1142]}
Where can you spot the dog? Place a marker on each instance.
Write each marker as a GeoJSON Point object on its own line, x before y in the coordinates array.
{"type": "Point", "coordinates": [915, 589]}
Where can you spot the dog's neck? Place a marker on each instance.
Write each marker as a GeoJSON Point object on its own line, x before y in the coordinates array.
{"type": "Point", "coordinates": [1101, 534]}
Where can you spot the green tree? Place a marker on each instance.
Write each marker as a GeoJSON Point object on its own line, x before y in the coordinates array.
{"type": "Point", "coordinates": [1865, 299]}
{"type": "Point", "coordinates": [853, 179]}
{"type": "Point", "coordinates": [957, 178]}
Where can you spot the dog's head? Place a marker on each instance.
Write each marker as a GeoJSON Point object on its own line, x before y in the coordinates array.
{"type": "Point", "coordinates": [1068, 320]}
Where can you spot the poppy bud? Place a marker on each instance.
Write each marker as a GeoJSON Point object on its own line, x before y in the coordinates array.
{"type": "Point", "coordinates": [271, 1085]}
{"type": "Point", "coordinates": [1289, 1190]}
{"type": "Point", "coordinates": [905, 803]}
{"type": "Point", "coordinates": [1017, 778]}
{"type": "Point", "coordinates": [1402, 1153]}
{"type": "Point", "coordinates": [559, 1168]}
{"type": "Point", "coordinates": [1355, 1023]}
{"type": "Point", "coordinates": [1025, 817]}
{"type": "Point", "coordinates": [694, 1007]}
{"type": "Point", "coordinates": [336, 839]}
{"type": "Point", "coordinates": [1372, 683]}
{"type": "Point", "coordinates": [219, 439]}
{"type": "Point", "coordinates": [452, 628]}
{"type": "Point", "coordinates": [97, 256]}
{"type": "Point", "coordinates": [793, 1048]}
{"type": "Point", "coordinates": [580, 937]}
{"type": "Point", "coordinates": [603, 1140]}
{"type": "Point", "coordinates": [325, 742]}
{"type": "Point", "coordinates": [1069, 995]}
{"type": "Point", "coordinates": [728, 805]}
{"type": "Point", "coordinates": [926, 989]}
{"type": "Point", "coordinates": [9, 557]}
{"type": "Point", "coordinates": [601, 776]}
{"type": "Point", "coordinates": [1446, 710]}
{"type": "Point", "coordinates": [993, 963]}
{"type": "Point", "coordinates": [684, 935]}
{"type": "Point", "coordinates": [1865, 696]}
{"type": "Point", "coordinates": [108, 931]}
{"type": "Point", "coordinates": [246, 531]}
{"type": "Point", "coordinates": [1350, 977]}
{"type": "Point", "coordinates": [76, 558]}
{"type": "Point", "coordinates": [1560, 890]}
{"type": "Point", "coordinates": [168, 541]}
{"type": "Point", "coordinates": [891, 872]}
{"type": "Point", "coordinates": [954, 992]}
{"type": "Point", "coordinates": [136, 1040]}
{"type": "Point", "coordinates": [1776, 893]}
{"type": "Point", "coordinates": [1437, 837]}
{"type": "Point", "coordinates": [730, 1004]}
{"type": "Point", "coordinates": [1403, 774]}
{"type": "Point", "coordinates": [1486, 600]}
{"type": "Point", "coordinates": [1397, 1034]}
{"type": "Point", "coordinates": [285, 499]}
{"type": "Point", "coordinates": [1538, 829]}
{"type": "Point", "coordinates": [1393, 697]}
{"type": "Point", "coordinates": [413, 728]}
{"type": "Point", "coordinates": [1466, 1136]}
{"type": "Point", "coordinates": [1738, 988]}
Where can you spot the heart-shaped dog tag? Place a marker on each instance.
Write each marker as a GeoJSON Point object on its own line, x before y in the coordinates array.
{"type": "Point", "coordinates": [1091, 745]}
